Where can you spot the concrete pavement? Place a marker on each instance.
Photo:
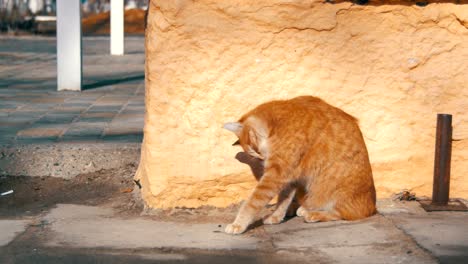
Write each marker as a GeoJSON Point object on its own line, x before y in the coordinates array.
{"type": "Point", "coordinates": [10, 229]}
{"type": "Point", "coordinates": [402, 233]}
{"type": "Point", "coordinates": [38, 125]}
{"type": "Point", "coordinates": [444, 234]}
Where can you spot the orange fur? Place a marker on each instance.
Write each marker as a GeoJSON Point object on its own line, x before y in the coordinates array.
{"type": "Point", "coordinates": [309, 145]}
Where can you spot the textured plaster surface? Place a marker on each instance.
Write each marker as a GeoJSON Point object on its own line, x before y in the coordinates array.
{"type": "Point", "coordinates": [393, 66]}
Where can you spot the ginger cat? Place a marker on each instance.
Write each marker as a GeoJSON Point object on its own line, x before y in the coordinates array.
{"type": "Point", "coordinates": [311, 150]}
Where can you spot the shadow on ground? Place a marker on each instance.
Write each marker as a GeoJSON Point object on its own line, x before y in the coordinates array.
{"type": "Point", "coordinates": [113, 81]}
{"type": "Point", "coordinates": [34, 195]}
{"type": "Point", "coordinates": [31, 254]}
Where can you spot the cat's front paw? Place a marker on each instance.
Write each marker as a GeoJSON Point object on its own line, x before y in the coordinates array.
{"type": "Point", "coordinates": [272, 220]}
{"type": "Point", "coordinates": [235, 229]}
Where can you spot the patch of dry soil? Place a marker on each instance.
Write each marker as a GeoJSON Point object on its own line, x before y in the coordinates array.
{"type": "Point", "coordinates": [33, 195]}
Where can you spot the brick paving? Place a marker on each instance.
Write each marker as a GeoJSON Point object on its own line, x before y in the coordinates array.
{"type": "Point", "coordinates": [109, 109]}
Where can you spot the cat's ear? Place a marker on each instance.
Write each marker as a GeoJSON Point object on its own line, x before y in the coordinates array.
{"type": "Point", "coordinates": [234, 127]}
{"type": "Point", "coordinates": [253, 137]}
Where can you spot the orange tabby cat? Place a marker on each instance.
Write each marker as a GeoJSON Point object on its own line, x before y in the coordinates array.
{"type": "Point", "coordinates": [309, 147]}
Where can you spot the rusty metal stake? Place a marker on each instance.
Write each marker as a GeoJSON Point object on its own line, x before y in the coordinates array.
{"type": "Point", "coordinates": [443, 155]}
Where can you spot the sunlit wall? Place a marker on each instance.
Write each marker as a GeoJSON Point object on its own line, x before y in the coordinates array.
{"type": "Point", "coordinates": [393, 66]}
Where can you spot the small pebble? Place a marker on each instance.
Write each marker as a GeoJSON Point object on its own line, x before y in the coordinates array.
{"type": "Point", "coordinates": [219, 225]}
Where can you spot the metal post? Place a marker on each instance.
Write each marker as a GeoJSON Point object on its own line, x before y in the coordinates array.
{"type": "Point", "coordinates": [117, 27]}
{"type": "Point", "coordinates": [69, 53]}
{"type": "Point", "coordinates": [443, 153]}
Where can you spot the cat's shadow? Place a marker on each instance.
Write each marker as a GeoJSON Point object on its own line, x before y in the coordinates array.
{"type": "Point", "coordinates": [255, 164]}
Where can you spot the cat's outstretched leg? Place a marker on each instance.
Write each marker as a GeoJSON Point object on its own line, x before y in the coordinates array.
{"type": "Point", "coordinates": [269, 185]}
{"type": "Point", "coordinates": [284, 201]}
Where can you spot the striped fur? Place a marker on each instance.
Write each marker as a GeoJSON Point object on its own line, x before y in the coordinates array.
{"type": "Point", "coordinates": [313, 152]}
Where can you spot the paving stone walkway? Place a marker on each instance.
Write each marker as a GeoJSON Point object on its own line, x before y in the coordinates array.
{"type": "Point", "coordinates": [109, 109]}
{"type": "Point", "coordinates": [402, 232]}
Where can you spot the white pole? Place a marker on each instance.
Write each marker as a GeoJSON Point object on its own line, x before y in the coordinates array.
{"type": "Point", "coordinates": [117, 27]}
{"type": "Point", "coordinates": [69, 53]}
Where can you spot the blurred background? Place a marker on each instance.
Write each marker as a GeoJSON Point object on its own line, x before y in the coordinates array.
{"type": "Point", "coordinates": [20, 17]}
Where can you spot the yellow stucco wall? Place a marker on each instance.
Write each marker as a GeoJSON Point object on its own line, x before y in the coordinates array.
{"type": "Point", "coordinates": [392, 66]}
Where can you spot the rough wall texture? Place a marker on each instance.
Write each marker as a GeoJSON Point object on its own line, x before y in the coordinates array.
{"type": "Point", "coordinates": [393, 66]}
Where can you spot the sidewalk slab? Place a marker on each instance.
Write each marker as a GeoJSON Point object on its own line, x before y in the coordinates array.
{"type": "Point", "coordinates": [374, 240]}
{"type": "Point", "coordinates": [403, 234]}
{"type": "Point", "coordinates": [445, 234]}
{"type": "Point", "coordinates": [10, 229]}
{"type": "Point", "coordinates": [90, 227]}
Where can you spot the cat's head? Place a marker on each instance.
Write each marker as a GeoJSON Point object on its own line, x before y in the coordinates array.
{"type": "Point", "coordinates": [252, 137]}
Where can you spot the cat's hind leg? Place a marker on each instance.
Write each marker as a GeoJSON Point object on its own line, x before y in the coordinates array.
{"type": "Point", "coordinates": [320, 216]}
{"type": "Point", "coordinates": [284, 201]}
{"type": "Point", "coordinates": [316, 210]}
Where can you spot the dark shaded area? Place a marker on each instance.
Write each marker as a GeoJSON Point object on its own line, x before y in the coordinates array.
{"type": "Point", "coordinates": [452, 205]}
{"type": "Point", "coordinates": [459, 258]}
{"type": "Point", "coordinates": [29, 254]}
{"type": "Point", "coordinates": [91, 46]}
{"type": "Point", "coordinates": [256, 165]}
{"type": "Point", "coordinates": [80, 137]}
{"type": "Point", "coordinates": [113, 81]}
{"type": "Point", "coordinates": [42, 45]}
{"type": "Point", "coordinates": [34, 195]}
{"type": "Point", "coordinates": [48, 87]}
{"type": "Point", "coordinates": [127, 138]}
